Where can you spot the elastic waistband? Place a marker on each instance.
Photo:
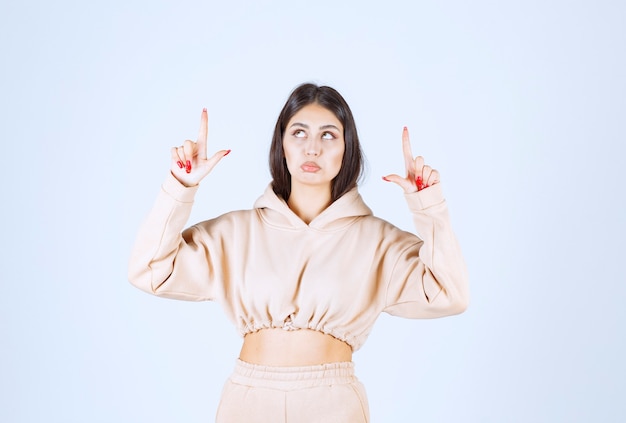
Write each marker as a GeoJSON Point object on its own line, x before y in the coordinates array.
{"type": "Point", "coordinates": [289, 378]}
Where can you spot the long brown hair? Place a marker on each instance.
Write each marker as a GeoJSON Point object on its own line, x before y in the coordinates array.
{"type": "Point", "coordinates": [352, 163]}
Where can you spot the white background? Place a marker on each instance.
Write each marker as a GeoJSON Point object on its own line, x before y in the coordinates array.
{"type": "Point", "coordinates": [519, 104]}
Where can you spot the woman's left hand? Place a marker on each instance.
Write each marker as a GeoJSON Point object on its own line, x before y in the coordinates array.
{"type": "Point", "coordinates": [418, 175]}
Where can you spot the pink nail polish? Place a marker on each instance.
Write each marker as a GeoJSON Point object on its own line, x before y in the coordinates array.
{"type": "Point", "coordinates": [180, 164]}
{"type": "Point", "coordinates": [385, 179]}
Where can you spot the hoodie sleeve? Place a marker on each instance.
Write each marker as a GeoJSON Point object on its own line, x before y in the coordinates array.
{"type": "Point", "coordinates": [429, 278]}
{"type": "Point", "coordinates": [167, 261]}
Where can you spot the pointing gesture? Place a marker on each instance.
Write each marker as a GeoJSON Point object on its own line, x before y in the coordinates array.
{"type": "Point", "coordinates": [418, 175]}
{"type": "Point", "coordinates": [189, 161]}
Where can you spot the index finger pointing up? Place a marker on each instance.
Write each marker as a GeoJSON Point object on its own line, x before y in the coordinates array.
{"type": "Point", "coordinates": [203, 134]}
{"type": "Point", "coordinates": [406, 150]}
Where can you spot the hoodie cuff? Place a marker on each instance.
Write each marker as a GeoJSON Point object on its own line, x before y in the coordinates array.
{"type": "Point", "coordinates": [172, 187]}
{"type": "Point", "coordinates": [425, 198]}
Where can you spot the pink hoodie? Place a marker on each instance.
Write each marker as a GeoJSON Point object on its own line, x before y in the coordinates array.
{"type": "Point", "coordinates": [267, 268]}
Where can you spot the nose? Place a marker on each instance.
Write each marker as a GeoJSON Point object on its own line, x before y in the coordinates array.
{"type": "Point", "coordinates": [312, 148]}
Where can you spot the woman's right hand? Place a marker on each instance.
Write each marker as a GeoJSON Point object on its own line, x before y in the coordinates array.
{"type": "Point", "coordinates": [189, 161]}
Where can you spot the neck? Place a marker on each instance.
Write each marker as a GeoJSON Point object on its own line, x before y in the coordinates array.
{"type": "Point", "coordinates": [308, 202]}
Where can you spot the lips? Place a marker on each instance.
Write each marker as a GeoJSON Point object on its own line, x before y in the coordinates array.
{"type": "Point", "coordinates": [310, 167]}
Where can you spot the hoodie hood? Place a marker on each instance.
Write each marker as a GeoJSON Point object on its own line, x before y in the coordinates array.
{"type": "Point", "coordinates": [345, 210]}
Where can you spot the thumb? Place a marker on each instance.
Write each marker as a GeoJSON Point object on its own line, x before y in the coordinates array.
{"type": "Point", "coordinates": [212, 161]}
{"type": "Point", "coordinates": [403, 183]}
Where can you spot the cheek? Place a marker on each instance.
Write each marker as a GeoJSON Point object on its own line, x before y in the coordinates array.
{"type": "Point", "coordinates": [286, 152]}
{"type": "Point", "coordinates": [288, 158]}
{"type": "Point", "coordinates": [338, 159]}
{"type": "Point", "coordinates": [340, 153]}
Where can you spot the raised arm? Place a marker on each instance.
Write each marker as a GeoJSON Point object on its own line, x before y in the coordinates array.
{"type": "Point", "coordinates": [429, 278]}
{"type": "Point", "coordinates": [166, 261]}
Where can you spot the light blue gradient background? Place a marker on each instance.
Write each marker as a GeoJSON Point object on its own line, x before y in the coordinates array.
{"type": "Point", "coordinates": [519, 104]}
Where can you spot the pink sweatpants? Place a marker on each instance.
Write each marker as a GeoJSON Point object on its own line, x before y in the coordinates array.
{"type": "Point", "coordinates": [328, 393]}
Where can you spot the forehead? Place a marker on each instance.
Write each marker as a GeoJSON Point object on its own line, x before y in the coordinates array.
{"type": "Point", "coordinates": [315, 115]}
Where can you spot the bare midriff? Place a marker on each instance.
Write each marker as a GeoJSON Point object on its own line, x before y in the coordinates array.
{"type": "Point", "coordinates": [303, 347]}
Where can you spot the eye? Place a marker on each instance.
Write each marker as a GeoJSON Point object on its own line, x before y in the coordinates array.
{"type": "Point", "coordinates": [299, 133]}
{"type": "Point", "coordinates": [328, 136]}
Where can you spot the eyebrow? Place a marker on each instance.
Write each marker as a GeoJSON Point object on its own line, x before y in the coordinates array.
{"type": "Point", "coordinates": [305, 126]}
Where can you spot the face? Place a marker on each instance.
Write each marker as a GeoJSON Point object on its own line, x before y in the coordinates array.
{"type": "Point", "coordinates": [313, 144]}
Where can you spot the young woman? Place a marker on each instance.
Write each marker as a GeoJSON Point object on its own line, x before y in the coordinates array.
{"type": "Point", "coordinates": [306, 272]}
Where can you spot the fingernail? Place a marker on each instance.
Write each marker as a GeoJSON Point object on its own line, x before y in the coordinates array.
{"type": "Point", "coordinates": [204, 110]}
{"type": "Point", "coordinates": [405, 129]}
{"type": "Point", "coordinates": [419, 183]}
{"type": "Point", "coordinates": [227, 153]}
{"type": "Point", "coordinates": [385, 179]}
{"type": "Point", "coordinates": [180, 164]}
{"type": "Point", "coordinates": [188, 167]}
